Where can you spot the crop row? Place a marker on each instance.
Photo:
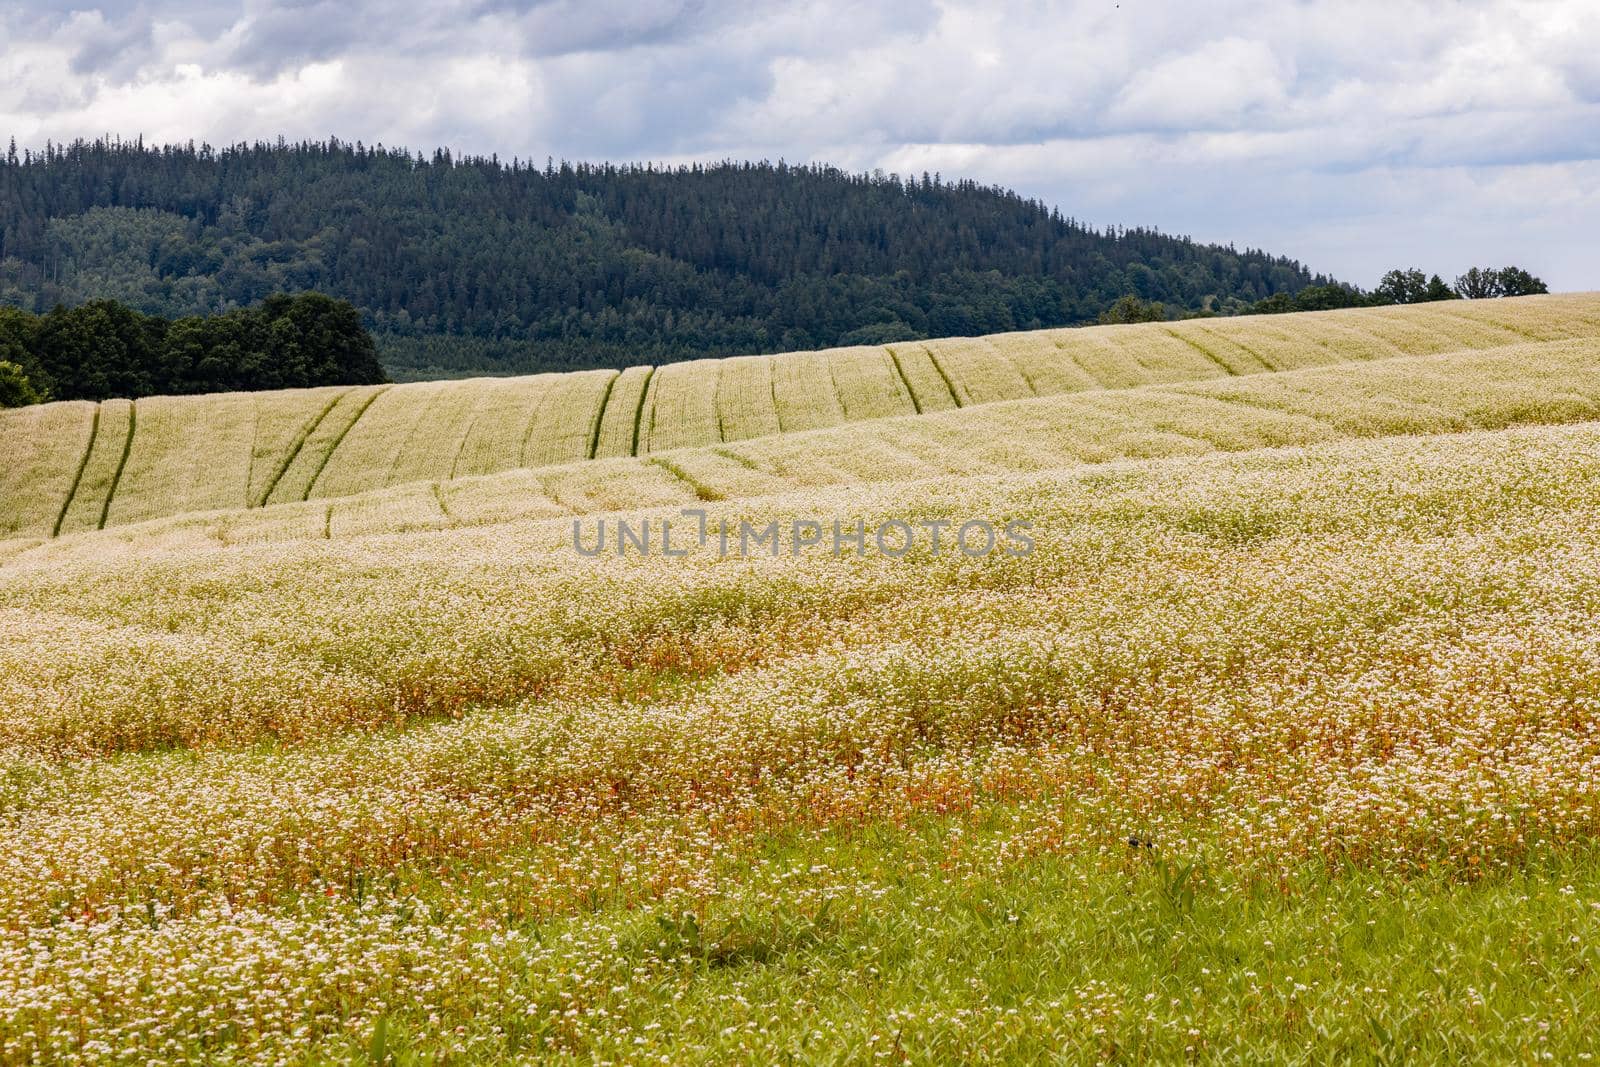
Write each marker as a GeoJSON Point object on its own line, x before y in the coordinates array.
{"type": "Point", "coordinates": [66, 468]}
{"type": "Point", "coordinates": [1534, 383]}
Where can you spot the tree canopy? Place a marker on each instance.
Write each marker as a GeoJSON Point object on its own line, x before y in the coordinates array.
{"type": "Point", "coordinates": [1406, 286]}
{"type": "Point", "coordinates": [104, 348]}
{"type": "Point", "coordinates": [479, 265]}
{"type": "Point", "coordinates": [1480, 283]}
{"type": "Point", "coordinates": [15, 388]}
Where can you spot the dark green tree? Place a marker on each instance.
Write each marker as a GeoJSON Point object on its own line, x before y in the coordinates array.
{"type": "Point", "coordinates": [1402, 287]}
{"type": "Point", "coordinates": [1438, 290]}
{"type": "Point", "coordinates": [105, 349]}
{"type": "Point", "coordinates": [1131, 309]}
{"type": "Point", "coordinates": [15, 389]}
{"type": "Point", "coordinates": [19, 345]}
{"type": "Point", "coordinates": [1327, 297]}
{"type": "Point", "coordinates": [314, 338]}
{"type": "Point", "coordinates": [1478, 284]}
{"type": "Point", "coordinates": [1514, 281]}
{"type": "Point", "coordinates": [1276, 304]}
{"type": "Point", "coordinates": [101, 349]}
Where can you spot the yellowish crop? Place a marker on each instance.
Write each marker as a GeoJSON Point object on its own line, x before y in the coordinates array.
{"type": "Point", "coordinates": [1216, 655]}
{"type": "Point", "coordinates": [37, 465]}
{"type": "Point", "coordinates": [323, 429]}
{"type": "Point", "coordinates": [99, 471]}
{"type": "Point", "coordinates": [744, 399]}
{"type": "Point", "coordinates": [201, 453]}
{"type": "Point", "coordinates": [682, 406]}
{"type": "Point", "coordinates": [622, 412]}
{"type": "Point", "coordinates": [1541, 383]}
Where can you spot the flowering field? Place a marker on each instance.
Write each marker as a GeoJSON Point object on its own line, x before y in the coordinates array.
{"type": "Point", "coordinates": [1280, 745]}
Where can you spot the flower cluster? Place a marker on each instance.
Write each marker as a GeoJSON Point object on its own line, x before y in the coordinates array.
{"type": "Point", "coordinates": [261, 801]}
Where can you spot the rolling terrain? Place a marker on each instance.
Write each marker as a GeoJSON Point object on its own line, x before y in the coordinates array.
{"type": "Point", "coordinates": [1284, 737]}
{"type": "Point", "coordinates": [1548, 383]}
{"type": "Point", "coordinates": [65, 468]}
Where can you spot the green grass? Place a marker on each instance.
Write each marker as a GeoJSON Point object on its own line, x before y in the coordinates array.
{"type": "Point", "coordinates": [909, 943]}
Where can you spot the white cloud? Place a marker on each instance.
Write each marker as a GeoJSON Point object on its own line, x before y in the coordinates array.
{"type": "Point", "coordinates": [1214, 86]}
{"type": "Point", "coordinates": [1353, 134]}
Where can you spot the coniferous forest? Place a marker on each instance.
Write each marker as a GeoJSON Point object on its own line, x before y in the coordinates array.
{"type": "Point", "coordinates": [474, 265]}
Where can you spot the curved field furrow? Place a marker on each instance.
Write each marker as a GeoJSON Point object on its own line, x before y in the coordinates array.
{"type": "Point", "coordinates": [804, 393]}
{"type": "Point", "coordinates": [43, 450]}
{"type": "Point", "coordinates": [977, 373]}
{"type": "Point", "coordinates": [177, 466]}
{"type": "Point", "coordinates": [266, 454]}
{"type": "Point", "coordinates": [744, 399]}
{"type": "Point", "coordinates": [376, 440]}
{"type": "Point", "coordinates": [311, 453]}
{"type": "Point", "coordinates": [438, 436]}
{"type": "Point", "coordinates": [1103, 354]}
{"type": "Point", "coordinates": [225, 451]}
{"type": "Point", "coordinates": [492, 438]}
{"type": "Point", "coordinates": [619, 425]}
{"type": "Point", "coordinates": [930, 389]}
{"type": "Point", "coordinates": [1546, 383]}
{"type": "Point", "coordinates": [563, 426]}
{"type": "Point", "coordinates": [867, 384]}
{"type": "Point", "coordinates": [101, 468]}
{"type": "Point", "coordinates": [1040, 359]}
{"type": "Point", "coordinates": [683, 406]}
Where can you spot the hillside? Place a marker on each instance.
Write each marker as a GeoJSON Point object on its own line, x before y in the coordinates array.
{"type": "Point", "coordinates": [1282, 738]}
{"type": "Point", "coordinates": [75, 466]}
{"type": "Point", "coordinates": [474, 266]}
{"type": "Point", "coordinates": [1547, 383]}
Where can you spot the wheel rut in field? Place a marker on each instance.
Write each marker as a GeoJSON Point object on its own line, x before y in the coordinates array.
{"type": "Point", "coordinates": [72, 491]}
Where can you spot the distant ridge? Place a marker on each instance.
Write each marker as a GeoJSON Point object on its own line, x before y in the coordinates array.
{"type": "Point", "coordinates": [473, 265]}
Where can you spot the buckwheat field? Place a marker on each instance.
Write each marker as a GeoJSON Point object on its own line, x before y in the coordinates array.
{"type": "Point", "coordinates": [328, 734]}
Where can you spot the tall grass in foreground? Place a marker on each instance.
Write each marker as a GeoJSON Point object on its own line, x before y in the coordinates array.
{"type": "Point", "coordinates": [1275, 755]}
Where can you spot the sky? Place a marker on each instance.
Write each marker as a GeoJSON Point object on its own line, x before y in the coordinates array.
{"type": "Point", "coordinates": [1353, 135]}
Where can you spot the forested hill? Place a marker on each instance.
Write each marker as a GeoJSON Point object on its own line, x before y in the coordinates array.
{"type": "Point", "coordinates": [477, 265]}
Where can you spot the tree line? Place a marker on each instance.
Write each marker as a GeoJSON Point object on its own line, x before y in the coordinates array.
{"type": "Point", "coordinates": [463, 265]}
{"type": "Point", "coordinates": [1407, 286]}
{"type": "Point", "coordinates": [104, 348]}
{"type": "Point", "coordinates": [1401, 286]}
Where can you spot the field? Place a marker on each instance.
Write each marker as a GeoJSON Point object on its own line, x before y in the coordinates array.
{"type": "Point", "coordinates": [79, 466]}
{"type": "Point", "coordinates": [1281, 744]}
